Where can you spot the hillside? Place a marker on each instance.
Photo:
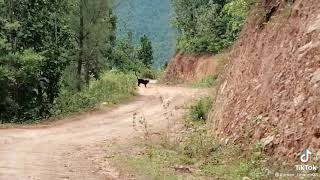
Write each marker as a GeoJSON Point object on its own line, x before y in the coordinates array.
{"type": "Point", "coordinates": [150, 17]}
{"type": "Point", "coordinates": [270, 89]}
{"type": "Point", "coordinates": [187, 67]}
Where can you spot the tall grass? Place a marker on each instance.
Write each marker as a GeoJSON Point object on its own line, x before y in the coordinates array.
{"type": "Point", "coordinates": [112, 88]}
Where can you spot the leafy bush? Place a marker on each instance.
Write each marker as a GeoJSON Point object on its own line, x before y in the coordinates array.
{"type": "Point", "coordinates": [199, 111]}
{"type": "Point", "coordinates": [110, 89]}
{"type": "Point", "coordinates": [32, 57]}
{"type": "Point", "coordinates": [20, 86]}
{"type": "Point", "coordinates": [150, 73]}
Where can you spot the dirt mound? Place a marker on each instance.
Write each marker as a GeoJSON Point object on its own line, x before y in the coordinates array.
{"type": "Point", "coordinates": [270, 90]}
{"type": "Point", "coordinates": [188, 67]}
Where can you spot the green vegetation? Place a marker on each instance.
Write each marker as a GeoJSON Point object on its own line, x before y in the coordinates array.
{"type": "Point", "coordinates": [150, 18]}
{"type": "Point", "coordinates": [206, 82]}
{"type": "Point", "coordinates": [127, 57]}
{"type": "Point", "coordinates": [198, 156]}
{"type": "Point", "coordinates": [34, 38]}
{"type": "Point", "coordinates": [124, 55]}
{"type": "Point", "coordinates": [151, 168]}
{"type": "Point", "coordinates": [195, 154]}
{"type": "Point", "coordinates": [150, 73]}
{"type": "Point", "coordinates": [93, 25]}
{"type": "Point", "coordinates": [209, 26]}
{"type": "Point", "coordinates": [145, 52]}
{"type": "Point", "coordinates": [199, 111]}
{"type": "Point", "coordinates": [56, 51]}
{"type": "Point", "coordinates": [112, 88]}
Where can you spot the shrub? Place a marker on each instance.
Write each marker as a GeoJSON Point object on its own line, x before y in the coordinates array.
{"type": "Point", "coordinates": [112, 88]}
{"type": "Point", "coordinates": [150, 73]}
{"type": "Point", "coordinates": [205, 82]}
{"type": "Point", "coordinates": [199, 111]}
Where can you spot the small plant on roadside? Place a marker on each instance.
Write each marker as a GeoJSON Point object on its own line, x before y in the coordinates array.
{"type": "Point", "coordinates": [200, 110]}
{"type": "Point", "coordinates": [140, 124]}
{"type": "Point", "coordinates": [198, 144]}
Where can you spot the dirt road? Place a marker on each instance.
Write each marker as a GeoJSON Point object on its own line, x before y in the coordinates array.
{"type": "Point", "coordinates": [75, 148]}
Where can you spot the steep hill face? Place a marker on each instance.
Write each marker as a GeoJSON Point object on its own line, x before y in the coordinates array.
{"type": "Point", "coordinates": [187, 67]}
{"type": "Point", "coordinates": [270, 90]}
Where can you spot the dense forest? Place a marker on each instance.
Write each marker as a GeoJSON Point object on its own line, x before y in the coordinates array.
{"type": "Point", "coordinates": [152, 18]}
{"type": "Point", "coordinates": [53, 51]}
{"type": "Point", "coordinates": [209, 26]}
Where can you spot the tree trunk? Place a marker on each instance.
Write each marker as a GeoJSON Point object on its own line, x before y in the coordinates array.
{"type": "Point", "coordinates": [81, 39]}
{"type": "Point", "coordinates": [12, 35]}
{"type": "Point", "coordinates": [87, 71]}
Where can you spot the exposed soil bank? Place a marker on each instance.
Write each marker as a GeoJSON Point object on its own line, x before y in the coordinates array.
{"type": "Point", "coordinates": [270, 90]}
{"type": "Point", "coordinates": [188, 67]}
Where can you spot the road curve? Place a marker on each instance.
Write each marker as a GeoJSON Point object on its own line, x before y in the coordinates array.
{"type": "Point", "coordinates": [73, 148]}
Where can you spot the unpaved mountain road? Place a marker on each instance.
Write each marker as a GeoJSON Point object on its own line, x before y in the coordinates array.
{"type": "Point", "coordinates": [75, 148]}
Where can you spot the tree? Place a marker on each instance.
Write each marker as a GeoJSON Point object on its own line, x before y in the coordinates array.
{"type": "Point", "coordinates": [94, 25]}
{"type": "Point", "coordinates": [209, 26]}
{"type": "Point", "coordinates": [145, 52]}
{"type": "Point", "coordinates": [34, 36]}
{"type": "Point", "coordinates": [124, 55]}
{"type": "Point", "coordinates": [39, 39]}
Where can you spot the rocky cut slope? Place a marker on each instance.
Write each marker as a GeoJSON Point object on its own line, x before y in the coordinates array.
{"type": "Point", "coordinates": [188, 67]}
{"type": "Point", "coordinates": [270, 90]}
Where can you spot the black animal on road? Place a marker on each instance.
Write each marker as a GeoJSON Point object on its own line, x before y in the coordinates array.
{"type": "Point", "coordinates": [141, 81]}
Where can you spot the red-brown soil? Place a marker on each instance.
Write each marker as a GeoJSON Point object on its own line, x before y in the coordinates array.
{"type": "Point", "coordinates": [270, 90]}
{"type": "Point", "coordinates": [187, 67]}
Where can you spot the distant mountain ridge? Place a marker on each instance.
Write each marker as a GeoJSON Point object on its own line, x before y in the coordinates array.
{"type": "Point", "coordinates": [150, 17]}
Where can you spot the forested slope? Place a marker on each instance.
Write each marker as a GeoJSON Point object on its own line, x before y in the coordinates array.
{"type": "Point", "coordinates": [55, 58]}
{"type": "Point", "coordinates": [149, 17]}
{"type": "Point", "coordinates": [205, 28]}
